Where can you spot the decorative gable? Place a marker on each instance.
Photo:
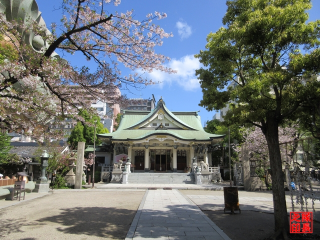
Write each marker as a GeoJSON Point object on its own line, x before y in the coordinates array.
{"type": "Point", "coordinates": [161, 119]}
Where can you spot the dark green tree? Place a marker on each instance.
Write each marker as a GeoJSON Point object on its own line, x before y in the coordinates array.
{"type": "Point", "coordinates": [222, 128]}
{"type": "Point", "coordinates": [221, 149]}
{"type": "Point", "coordinates": [83, 132]}
{"type": "Point", "coordinates": [256, 65]}
{"type": "Point", "coordinates": [8, 161]}
{"type": "Point", "coordinates": [4, 147]}
{"type": "Point", "coordinates": [309, 116]}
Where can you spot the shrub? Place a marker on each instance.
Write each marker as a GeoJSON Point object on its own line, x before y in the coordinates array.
{"type": "Point", "coordinates": [59, 182]}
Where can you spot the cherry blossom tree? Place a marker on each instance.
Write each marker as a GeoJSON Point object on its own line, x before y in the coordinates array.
{"type": "Point", "coordinates": [257, 146]}
{"type": "Point", "coordinates": [36, 85]}
{"type": "Point", "coordinates": [88, 162]}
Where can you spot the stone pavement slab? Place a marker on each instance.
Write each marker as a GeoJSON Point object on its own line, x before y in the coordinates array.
{"type": "Point", "coordinates": [167, 214]}
{"type": "Point", "coordinates": [213, 187]}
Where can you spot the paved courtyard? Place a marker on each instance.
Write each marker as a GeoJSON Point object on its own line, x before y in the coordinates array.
{"type": "Point", "coordinates": [87, 214]}
{"type": "Point", "coordinates": [138, 214]}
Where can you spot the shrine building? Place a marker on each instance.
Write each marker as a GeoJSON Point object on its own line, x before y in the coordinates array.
{"type": "Point", "coordinates": [161, 140]}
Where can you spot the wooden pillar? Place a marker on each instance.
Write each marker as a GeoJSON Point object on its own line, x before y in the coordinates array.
{"type": "Point", "coordinates": [210, 159]}
{"type": "Point", "coordinates": [130, 152]}
{"type": "Point", "coordinates": [114, 155]}
{"type": "Point", "coordinates": [146, 158]}
{"type": "Point", "coordinates": [206, 156]}
{"type": "Point", "coordinates": [191, 155]}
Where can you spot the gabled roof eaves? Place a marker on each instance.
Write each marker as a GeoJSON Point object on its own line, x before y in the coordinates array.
{"type": "Point", "coordinates": [127, 135]}
{"type": "Point", "coordinates": [133, 119]}
{"type": "Point", "coordinates": [176, 118]}
{"type": "Point", "coordinates": [154, 111]}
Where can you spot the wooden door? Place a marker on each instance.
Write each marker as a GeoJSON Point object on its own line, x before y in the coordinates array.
{"type": "Point", "coordinates": [181, 159]}
{"type": "Point", "coordinates": [158, 163]}
{"type": "Point", "coordinates": [139, 162]}
{"type": "Point", "coordinates": [181, 162]}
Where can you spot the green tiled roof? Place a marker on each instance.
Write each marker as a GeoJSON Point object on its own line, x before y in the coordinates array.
{"type": "Point", "coordinates": [155, 110]}
{"type": "Point", "coordinates": [131, 119]}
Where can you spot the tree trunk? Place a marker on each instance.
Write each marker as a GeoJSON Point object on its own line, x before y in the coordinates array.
{"type": "Point", "coordinates": [279, 201]}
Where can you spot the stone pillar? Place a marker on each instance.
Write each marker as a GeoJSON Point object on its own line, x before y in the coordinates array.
{"type": "Point", "coordinates": [146, 158]}
{"type": "Point", "coordinates": [125, 176]}
{"type": "Point", "coordinates": [128, 167]}
{"type": "Point", "coordinates": [198, 178]}
{"type": "Point", "coordinates": [174, 160]}
{"type": "Point", "coordinates": [79, 167]}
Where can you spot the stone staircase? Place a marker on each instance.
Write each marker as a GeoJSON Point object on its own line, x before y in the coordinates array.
{"type": "Point", "coordinates": [160, 178]}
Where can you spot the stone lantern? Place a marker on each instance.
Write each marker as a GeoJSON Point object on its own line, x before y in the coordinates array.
{"type": "Point", "coordinates": [71, 177]}
{"type": "Point", "coordinates": [44, 165]}
{"type": "Point", "coordinates": [42, 184]}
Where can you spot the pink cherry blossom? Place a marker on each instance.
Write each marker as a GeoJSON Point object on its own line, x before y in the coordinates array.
{"type": "Point", "coordinates": [40, 86]}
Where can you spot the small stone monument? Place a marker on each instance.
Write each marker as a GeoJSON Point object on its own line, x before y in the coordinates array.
{"type": "Point", "coordinates": [198, 176]}
{"type": "Point", "coordinates": [206, 175]}
{"type": "Point", "coordinates": [117, 172]}
{"type": "Point", "coordinates": [204, 167]}
{"type": "Point", "coordinates": [71, 177]}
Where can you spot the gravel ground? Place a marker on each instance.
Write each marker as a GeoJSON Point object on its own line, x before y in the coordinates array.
{"type": "Point", "coordinates": [88, 214]}
{"type": "Point", "coordinates": [256, 221]}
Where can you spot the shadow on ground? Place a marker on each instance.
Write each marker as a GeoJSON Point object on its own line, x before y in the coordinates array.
{"type": "Point", "coordinates": [253, 224]}
{"type": "Point", "coordinates": [90, 221]}
{"type": "Point", "coordinates": [93, 221]}
{"type": "Point", "coordinates": [9, 226]}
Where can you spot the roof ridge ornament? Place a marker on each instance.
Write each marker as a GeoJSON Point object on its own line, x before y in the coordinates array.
{"type": "Point", "coordinates": [161, 102]}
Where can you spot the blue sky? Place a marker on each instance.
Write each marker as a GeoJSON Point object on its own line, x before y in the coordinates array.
{"type": "Point", "coordinates": [190, 22]}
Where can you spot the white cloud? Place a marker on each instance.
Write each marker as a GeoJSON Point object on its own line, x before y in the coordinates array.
{"type": "Point", "coordinates": [185, 76]}
{"type": "Point", "coordinates": [184, 30]}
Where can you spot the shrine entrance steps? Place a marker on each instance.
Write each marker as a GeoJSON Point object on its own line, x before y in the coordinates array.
{"type": "Point", "coordinates": [160, 178]}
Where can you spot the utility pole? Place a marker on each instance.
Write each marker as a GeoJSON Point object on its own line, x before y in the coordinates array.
{"type": "Point", "coordinates": [230, 161]}
{"type": "Point", "coordinates": [94, 152]}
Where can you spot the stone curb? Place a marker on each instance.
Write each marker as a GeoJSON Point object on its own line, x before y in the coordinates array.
{"type": "Point", "coordinates": [135, 220]}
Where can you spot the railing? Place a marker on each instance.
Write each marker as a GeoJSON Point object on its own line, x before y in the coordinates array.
{"type": "Point", "coordinates": [214, 169]}
{"type": "Point", "coordinates": [109, 168]}
{"type": "Point", "coordinates": [6, 182]}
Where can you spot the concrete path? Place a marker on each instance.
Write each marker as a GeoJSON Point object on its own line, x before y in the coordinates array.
{"type": "Point", "coordinates": [167, 214]}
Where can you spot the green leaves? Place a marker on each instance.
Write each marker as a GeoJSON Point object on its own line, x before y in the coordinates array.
{"type": "Point", "coordinates": [84, 131]}
{"type": "Point", "coordinates": [258, 56]}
